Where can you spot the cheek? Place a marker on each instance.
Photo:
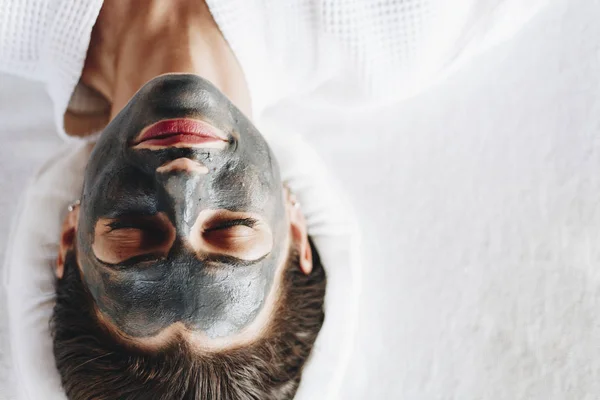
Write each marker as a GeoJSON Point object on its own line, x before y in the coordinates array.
{"type": "Point", "coordinates": [241, 188]}
{"type": "Point", "coordinates": [92, 277]}
{"type": "Point", "coordinates": [120, 186]}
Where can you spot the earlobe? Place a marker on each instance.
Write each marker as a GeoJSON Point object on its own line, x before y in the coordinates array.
{"type": "Point", "coordinates": [67, 239]}
{"type": "Point", "coordinates": [306, 260]}
{"type": "Point", "coordinates": [299, 230]}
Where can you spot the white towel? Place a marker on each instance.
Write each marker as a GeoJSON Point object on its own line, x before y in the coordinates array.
{"type": "Point", "coordinates": [343, 52]}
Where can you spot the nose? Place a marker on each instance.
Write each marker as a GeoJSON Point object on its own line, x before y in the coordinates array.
{"type": "Point", "coordinates": [184, 189]}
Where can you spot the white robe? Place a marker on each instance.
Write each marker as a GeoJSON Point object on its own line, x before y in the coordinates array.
{"type": "Point", "coordinates": [344, 53]}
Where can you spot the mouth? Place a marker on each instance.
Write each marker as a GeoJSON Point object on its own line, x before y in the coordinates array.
{"type": "Point", "coordinates": [180, 132]}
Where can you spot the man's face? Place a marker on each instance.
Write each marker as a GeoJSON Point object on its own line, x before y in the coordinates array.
{"type": "Point", "coordinates": [182, 216]}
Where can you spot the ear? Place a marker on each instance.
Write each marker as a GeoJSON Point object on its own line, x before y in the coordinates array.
{"type": "Point", "coordinates": [67, 240]}
{"type": "Point", "coordinates": [299, 232]}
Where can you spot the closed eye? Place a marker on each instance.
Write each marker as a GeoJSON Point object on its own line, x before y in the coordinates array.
{"type": "Point", "coordinates": [141, 224]}
{"type": "Point", "coordinates": [134, 239]}
{"type": "Point", "coordinates": [231, 233]}
{"type": "Point", "coordinates": [221, 225]}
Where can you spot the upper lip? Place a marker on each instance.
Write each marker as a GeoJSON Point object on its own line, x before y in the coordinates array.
{"type": "Point", "coordinates": [180, 126]}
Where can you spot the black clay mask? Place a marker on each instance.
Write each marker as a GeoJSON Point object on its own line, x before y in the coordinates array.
{"type": "Point", "coordinates": [211, 291]}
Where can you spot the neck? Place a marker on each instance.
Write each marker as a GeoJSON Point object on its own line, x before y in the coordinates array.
{"type": "Point", "coordinates": [132, 45]}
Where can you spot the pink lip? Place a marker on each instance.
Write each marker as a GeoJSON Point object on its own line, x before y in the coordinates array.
{"type": "Point", "coordinates": [170, 132]}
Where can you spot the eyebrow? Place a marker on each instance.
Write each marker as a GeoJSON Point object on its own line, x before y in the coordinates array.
{"type": "Point", "coordinates": [234, 261]}
{"type": "Point", "coordinates": [130, 262]}
{"type": "Point", "coordinates": [211, 258]}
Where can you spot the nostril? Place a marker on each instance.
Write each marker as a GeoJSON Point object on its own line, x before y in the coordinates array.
{"type": "Point", "coordinates": [182, 165]}
{"type": "Point", "coordinates": [233, 138]}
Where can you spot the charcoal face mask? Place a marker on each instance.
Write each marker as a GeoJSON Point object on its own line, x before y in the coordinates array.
{"type": "Point", "coordinates": [216, 295]}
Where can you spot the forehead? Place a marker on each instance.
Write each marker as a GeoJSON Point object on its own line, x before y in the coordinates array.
{"type": "Point", "coordinates": [205, 340]}
{"type": "Point", "coordinates": [215, 299]}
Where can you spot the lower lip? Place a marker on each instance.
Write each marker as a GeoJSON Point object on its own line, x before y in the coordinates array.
{"type": "Point", "coordinates": [179, 131]}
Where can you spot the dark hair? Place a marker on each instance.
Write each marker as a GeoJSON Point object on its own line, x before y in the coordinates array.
{"type": "Point", "coordinates": [93, 364]}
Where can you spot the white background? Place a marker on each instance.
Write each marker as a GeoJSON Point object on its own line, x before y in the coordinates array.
{"type": "Point", "coordinates": [479, 202]}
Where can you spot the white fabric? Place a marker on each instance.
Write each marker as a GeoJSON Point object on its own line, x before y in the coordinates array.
{"type": "Point", "coordinates": [26, 145]}
{"type": "Point", "coordinates": [47, 40]}
{"type": "Point", "coordinates": [29, 276]}
{"type": "Point", "coordinates": [349, 52]}
{"type": "Point", "coordinates": [479, 206]}
{"type": "Point", "coordinates": [434, 322]}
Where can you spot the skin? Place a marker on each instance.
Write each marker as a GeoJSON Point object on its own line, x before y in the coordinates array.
{"type": "Point", "coordinates": [163, 237]}
{"type": "Point", "coordinates": [131, 44]}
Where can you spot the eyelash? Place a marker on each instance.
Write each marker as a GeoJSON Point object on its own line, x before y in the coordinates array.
{"type": "Point", "coordinates": [249, 222]}
{"type": "Point", "coordinates": [116, 225]}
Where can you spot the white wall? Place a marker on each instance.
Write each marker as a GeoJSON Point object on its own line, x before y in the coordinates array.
{"type": "Point", "coordinates": [480, 201]}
